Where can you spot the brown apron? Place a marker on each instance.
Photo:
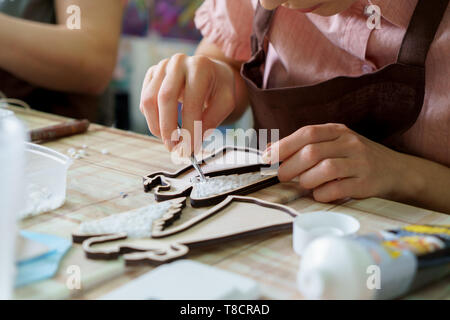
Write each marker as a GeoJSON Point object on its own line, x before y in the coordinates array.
{"type": "Point", "coordinates": [380, 105]}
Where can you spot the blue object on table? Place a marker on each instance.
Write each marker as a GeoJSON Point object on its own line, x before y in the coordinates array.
{"type": "Point", "coordinates": [44, 266]}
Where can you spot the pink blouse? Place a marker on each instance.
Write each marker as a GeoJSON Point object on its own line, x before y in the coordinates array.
{"type": "Point", "coordinates": [305, 49]}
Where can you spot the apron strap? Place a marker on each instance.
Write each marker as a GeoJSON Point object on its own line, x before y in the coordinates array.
{"type": "Point", "coordinates": [261, 27]}
{"type": "Point", "coordinates": [421, 31]}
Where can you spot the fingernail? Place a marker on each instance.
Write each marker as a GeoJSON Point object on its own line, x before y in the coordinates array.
{"type": "Point", "coordinates": [179, 150]}
{"type": "Point", "coordinates": [169, 144]}
{"type": "Point", "coordinates": [184, 150]}
{"type": "Point", "coordinates": [266, 156]}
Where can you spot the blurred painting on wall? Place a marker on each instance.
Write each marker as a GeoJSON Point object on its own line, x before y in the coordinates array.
{"type": "Point", "coordinates": [167, 18]}
{"type": "Point", "coordinates": [174, 19]}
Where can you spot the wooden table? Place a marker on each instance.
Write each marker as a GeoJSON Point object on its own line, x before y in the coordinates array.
{"type": "Point", "coordinates": [96, 188]}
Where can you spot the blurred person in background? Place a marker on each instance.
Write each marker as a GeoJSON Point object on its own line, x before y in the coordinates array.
{"type": "Point", "coordinates": [55, 68]}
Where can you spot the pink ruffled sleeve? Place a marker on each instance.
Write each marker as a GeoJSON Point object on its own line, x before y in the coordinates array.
{"type": "Point", "coordinates": [227, 24]}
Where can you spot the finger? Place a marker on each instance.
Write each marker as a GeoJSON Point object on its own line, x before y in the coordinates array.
{"type": "Point", "coordinates": [147, 79]}
{"type": "Point", "coordinates": [308, 157]}
{"type": "Point", "coordinates": [301, 4]}
{"type": "Point", "coordinates": [283, 149]}
{"type": "Point", "coordinates": [169, 92]}
{"type": "Point", "coordinates": [149, 96]}
{"type": "Point", "coordinates": [220, 106]}
{"type": "Point", "coordinates": [271, 4]}
{"type": "Point", "coordinates": [326, 171]}
{"type": "Point", "coordinates": [145, 102]}
{"type": "Point", "coordinates": [292, 4]}
{"type": "Point", "coordinates": [197, 87]}
{"type": "Point", "coordinates": [338, 189]}
{"type": "Point", "coordinates": [220, 102]}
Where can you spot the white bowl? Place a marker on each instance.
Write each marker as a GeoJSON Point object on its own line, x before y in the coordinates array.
{"type": "Point", "coordinates": [310, 226]}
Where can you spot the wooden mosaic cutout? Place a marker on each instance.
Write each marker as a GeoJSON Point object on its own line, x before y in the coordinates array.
{"type": "Point", "coordinates": [170, 185]}
{"type": "Point", "coordinates": [234, 218]}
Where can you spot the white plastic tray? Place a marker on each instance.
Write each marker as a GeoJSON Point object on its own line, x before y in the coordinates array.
{"type": "Point", "coordinates": [46, 176]}
{"type": "Point", "coordinates": [5, 113]}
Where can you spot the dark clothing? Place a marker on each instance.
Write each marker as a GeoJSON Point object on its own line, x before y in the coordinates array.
{"type": "Point", "coordinates": [62, 103]}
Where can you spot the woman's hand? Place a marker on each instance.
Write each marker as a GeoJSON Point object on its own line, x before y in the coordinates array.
{"type": "Point", "coordinates": [337, 163]}
{"type": "Point", "coordinates": [206, 87]}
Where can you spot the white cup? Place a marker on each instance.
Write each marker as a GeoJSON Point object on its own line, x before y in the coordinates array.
{"type": "Point", "coordinates": [12, 165]}
{"type": "Point", "coordinates": [310, 226]}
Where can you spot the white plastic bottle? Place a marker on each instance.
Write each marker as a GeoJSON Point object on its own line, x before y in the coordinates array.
{"type": "Point", "coordinates": [334, 268]}
{"type": "Point", "coordinates": [12, 165]}
{"type": "Point", "coordinates": [382, 265]}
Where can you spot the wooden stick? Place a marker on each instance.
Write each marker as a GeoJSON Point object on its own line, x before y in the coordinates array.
{"type": "Point", "coordinates": [59, 131]}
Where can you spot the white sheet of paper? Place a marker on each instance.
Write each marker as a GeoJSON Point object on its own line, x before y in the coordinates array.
{"type": "Point", "coordinates": [187, 280]}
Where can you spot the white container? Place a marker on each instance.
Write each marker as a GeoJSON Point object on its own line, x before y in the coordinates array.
{"type": "Point", "coordinates": [12, 163]}
{"type": "Point", "coordinates": [310, 226]}
{"type": "Point", "coordinates": [46, 177]}
{"type": "Point", "coordinates": [334, 268]}
{"type": "Point", "coordinates": [379, 265]}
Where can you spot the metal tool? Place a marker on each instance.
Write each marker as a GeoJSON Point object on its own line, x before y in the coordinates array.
{"type": "Point", "coordinates": [195, 165]}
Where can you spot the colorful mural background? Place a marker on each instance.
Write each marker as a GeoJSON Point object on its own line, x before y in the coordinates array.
{"type": "Point", "coordinates": [167, 18]}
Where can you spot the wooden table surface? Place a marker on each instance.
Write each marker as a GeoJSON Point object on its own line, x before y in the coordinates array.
{"type": "Point", "coordinates": [95, 188]}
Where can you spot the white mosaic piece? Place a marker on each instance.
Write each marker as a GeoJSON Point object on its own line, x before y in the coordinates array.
{"type": "Point", "coordinates": [221, 184]}
{"type": "Point", "coordinates": [136, 223]}
{"type": "Point", "coordinates": [40, 199]}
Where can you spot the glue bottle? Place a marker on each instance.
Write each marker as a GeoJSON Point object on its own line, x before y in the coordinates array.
{"type": "Point", "coordinates": [382, 265]}
{"type": "Point", "coordinates": [12, 165]}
